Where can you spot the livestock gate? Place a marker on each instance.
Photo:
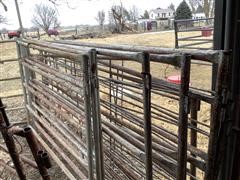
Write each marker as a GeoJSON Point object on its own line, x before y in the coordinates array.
{"type": "Point", "coordinates": [194, 33]}
{"type": "Point", "coordinates": [103, 112]}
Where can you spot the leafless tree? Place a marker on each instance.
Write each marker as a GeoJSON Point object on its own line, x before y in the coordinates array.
{"type": "Point", "coordinates": [171, 6]}
{"type": "Point", "coordinates": [54, 2]}
{"type": "Point", "coordinates": [119, 15]}
{"type": "Point", "coordinates": [133, 14]}
{"type": "Point", "coordinates": [194, 4]}
{"type": "Point", "coordinates": [45, 17]}
{"type": "Point", "coordinates": [208, 6]}
{"type": "Point", "coordinates": [145, 15]}
{"type": "Point", "coordinates": [3, 20]}
{"type": "Point", "coordinates": [3, 5]}
{"type": "Point", "coordinates": [100, 18]}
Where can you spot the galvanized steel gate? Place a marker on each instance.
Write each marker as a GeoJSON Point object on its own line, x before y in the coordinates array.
{"type": "Point", "coordinates": [101, 114]}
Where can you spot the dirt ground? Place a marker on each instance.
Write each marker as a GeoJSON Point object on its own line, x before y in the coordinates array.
{"type": "Point", "coordinates": [200, 75]}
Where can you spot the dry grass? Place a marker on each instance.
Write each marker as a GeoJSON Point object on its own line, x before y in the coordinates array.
{"type": "Point", "coordinates": [8, 70]}
{"type": "Point", "coordinates": [165, 39]}
{"type": "Point", "coordinates": [161, 39]}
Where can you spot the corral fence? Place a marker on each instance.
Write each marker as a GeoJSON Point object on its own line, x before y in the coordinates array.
{"type": "Point", "coordinates": [103, 112]}
{"type": "Point", "coordinates": [194, 33]}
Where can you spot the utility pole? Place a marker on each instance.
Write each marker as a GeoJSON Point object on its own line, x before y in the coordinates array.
{"type": "Point", "coordinates": [19, 17]}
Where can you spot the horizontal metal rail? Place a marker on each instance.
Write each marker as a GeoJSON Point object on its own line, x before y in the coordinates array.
{"type": "Point", "coordinates": [195, 29]}
{"type": "Point", "coordinates": [209, 56]}
{"type": "Point", "coordinates": [194, 44]}
{"type": "Point", "coordinates": [193, 20]}
{"type": "Point", "coordinates": [190, 39]}
{"type": "Point", "coordinates": [10, 79]}
{"type": "Point", "coordinates": [7, 41]}
{"type": "Point", "coordinates": [8, 60]}
{"type": "Point", "coordinates": [15, 108]}
{"type": "Point", "coordinates": [12, 96]}
{"type": "Point", "coordinates": [184, 26]}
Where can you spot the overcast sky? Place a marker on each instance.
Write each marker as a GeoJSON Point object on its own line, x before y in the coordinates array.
{"type": "Point", "coordinates": [79, 12]}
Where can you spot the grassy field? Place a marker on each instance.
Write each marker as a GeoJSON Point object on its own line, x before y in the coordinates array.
{"type": "Point", "coordinates": [200, 75]}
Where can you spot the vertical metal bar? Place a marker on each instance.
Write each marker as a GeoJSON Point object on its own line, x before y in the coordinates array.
{"type": "Point", "coordinates": [111, 90]}
{"type": "Point", "coordinates": [22, 76]}
{"type": "Point", "coordinates": [4, 125]}
{"type": "Point", "coordinates": [176, 34]}
{"type": "Point", "coordinates": [27, 76]}
{"type": "Point", "coordinates": [183, 117]}
{"type": "Point", "coordinates": [216, 115]}
{"type": "Point", "coordinates": [219, 30]}
{"type": "Point", "coordinates": [146, 76]}
{"type": "Point", "coordinates": [194, 108]}
{"type": "Point", "coordinates": [87, 104]}
{"type": "Point", "coordinates": [99, 117]}
{"type": "Point", "coordinates": [232, 162]}
{"type": "Point", "coordinates": [97, 130]}
{"type": "Point", "coordinates": [226, 149]}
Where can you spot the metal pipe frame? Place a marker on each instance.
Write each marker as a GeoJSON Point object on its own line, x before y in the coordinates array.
{"type": "Point", "coordinates": [183, 118]}
{"type": "Point", "coordinates": [4, 125]}
{"type": "Point", "coordinates": [185, 22]}
{"type": "Point", "coordinates": [110, 105]}
{"type": "Point", "coordinates": [147, 82]}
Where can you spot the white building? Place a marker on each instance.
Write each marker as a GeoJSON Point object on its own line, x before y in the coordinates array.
{"type": "Point", "coordinates": [161, 14]}
{"type": "Point", "coordinates": [199, 14]}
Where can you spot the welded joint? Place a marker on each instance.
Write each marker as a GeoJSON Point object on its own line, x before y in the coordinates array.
{"type": "Point", "coordinates": [186, 104]}
{"type": "Point", "coordinates": [93, 68]}
{"type": "Point", "coordinates": [147, 80]}
{"type": "Point", "coordinates": [2, 107]}
{"type": "Point", "coordinates": [15, 130]}
{"type": "Point", "coordinates": [193, 101]}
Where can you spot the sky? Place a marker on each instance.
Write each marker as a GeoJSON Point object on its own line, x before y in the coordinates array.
{"type": "Point", "coordinates": [78, 12]}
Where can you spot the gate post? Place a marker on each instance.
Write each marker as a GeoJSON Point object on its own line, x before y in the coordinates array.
{"type": "Point", "coordinates": [19, 55]}
{"type": "Point", "coordinates": [146, 76]}
{"type": "Point", "coordinates": [96, 115]}
{"type": "Point", "coordinates": [87, 104]}
{"type": "Point", "coordinates": [183, 117]}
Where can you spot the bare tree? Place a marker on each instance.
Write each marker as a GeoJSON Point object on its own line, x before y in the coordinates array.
{"type": "Point", "coordinates": [133, 14]}
{"type": "Point", "coordinates": [171, 6]}
{"type": "Point", "coordinates": [194, 4]}
{"type": "Point", "coordinates": [3, 20]}
{"type": "Point", "coordinates": [145, 15]}
{"type": "Point", "coordinates": [100, 18]}
{"type": "Point", "coordinates": [45, 17]}
{"type": "Point", "coordinates": [208, 6]}
{"type": "Point", "coordinates": [119, 15]}
{"type": "Point", "coordinates": [3, 5]}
